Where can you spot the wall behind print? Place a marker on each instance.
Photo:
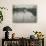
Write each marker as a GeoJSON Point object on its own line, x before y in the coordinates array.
{"type": "Point", "coordinates": [23, 29]}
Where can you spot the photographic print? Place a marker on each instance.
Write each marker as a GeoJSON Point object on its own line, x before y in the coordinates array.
{"type": "Point", "coordinates": [25, 13]}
